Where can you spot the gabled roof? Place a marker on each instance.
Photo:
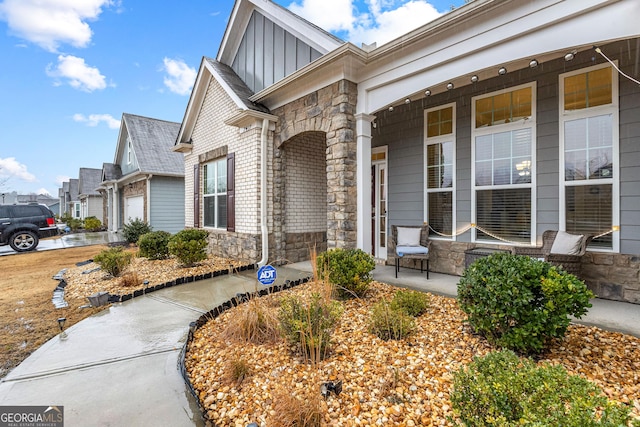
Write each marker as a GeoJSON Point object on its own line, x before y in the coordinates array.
{"type": "Point", "coordinates": [111, 172]}
{"type": "Point", "coordinates": [73, 189]}
{"type": "Point", "coordinates": [235, 84]}
{"type": "Point", "coordinates": [88, 180]}
{"type": "Point", "coordinates": [311, 34]}
{"type": "Point", "coordinates": [237, 90]}
{"type": "Point", "coordinates": [152, 140]}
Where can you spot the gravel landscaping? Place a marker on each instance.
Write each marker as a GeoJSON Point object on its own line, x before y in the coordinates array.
{"type": "Point", "coordinates": [395, 383]}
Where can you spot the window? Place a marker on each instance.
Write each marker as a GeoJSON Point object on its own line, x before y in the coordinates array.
{"type": "Point", "coordinates": [589, 152]}
{"type": "Point", "coordinates": [129, 151]}
{"type": "Point", "coordinates": [215, 193]}
{"type": "Point", "coordinates": [440, 170]}
{"type": "Point", "coordinates": [76, 209]}
{"type": "Point", "coordinates": [502, 167]}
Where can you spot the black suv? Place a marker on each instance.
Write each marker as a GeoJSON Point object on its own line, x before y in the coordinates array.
{"type": "Point", "coordinates": [22, 226]}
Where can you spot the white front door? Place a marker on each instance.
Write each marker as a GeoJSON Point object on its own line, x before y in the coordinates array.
{"type": "Point", "coordinates": [379, 201]}
{"type": "Point", "coordinates": [133, 208]}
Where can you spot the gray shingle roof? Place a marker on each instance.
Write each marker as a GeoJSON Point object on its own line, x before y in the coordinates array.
{"type": "Point", "coordinates": [236, 84]}
{"type": "Point", "coordinates": [73, 189]}
{"type": "Point", "coordinates": [88, 180]}
{"type": "Point", "coordinates": [152, 141]}
{"type": "Point", "coordinates": [111, 172]}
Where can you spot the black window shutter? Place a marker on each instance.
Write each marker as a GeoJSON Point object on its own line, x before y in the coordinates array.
{"type": "Point", "coordinates": [196, 196]}
{"type": "Point", "coordinates": [231, 192]}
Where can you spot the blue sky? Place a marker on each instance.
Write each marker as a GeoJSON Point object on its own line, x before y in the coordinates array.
{"type": "Point", "coordinates": [72, 67]}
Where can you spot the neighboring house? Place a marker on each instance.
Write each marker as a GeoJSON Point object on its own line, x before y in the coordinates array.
{"type": "Point", "coordinates": [90, 199]}
{"type": "Point", "coordinates": [493, 123]}
{"type": "Point", "coordinates": [146, 179]}
{"type": "Point", "coordinates": [69, 199]}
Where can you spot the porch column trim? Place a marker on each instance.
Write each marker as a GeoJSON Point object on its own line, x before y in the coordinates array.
{"type": "Point", "coordinates": [363, 179]}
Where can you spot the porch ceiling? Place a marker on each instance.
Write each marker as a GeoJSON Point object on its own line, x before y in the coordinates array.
{"type": "Point", "coordinates": [523, 31]}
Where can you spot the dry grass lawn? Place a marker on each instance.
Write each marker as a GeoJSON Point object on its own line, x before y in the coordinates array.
{"type": "Point", "coordinates": [27, 316]}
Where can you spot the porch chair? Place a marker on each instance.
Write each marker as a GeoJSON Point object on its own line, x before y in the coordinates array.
{"type": "Point", "coordinates": [411, 242]}
{"type": "Point", "coordinates": [561, 249]}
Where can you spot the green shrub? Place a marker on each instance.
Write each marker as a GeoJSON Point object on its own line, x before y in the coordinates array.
{"type": "Point", "coordinates": [309, 324]}
{"type": "Point", "coordinates": [389, 323]}
{"type": "Point", "coordinates": [113, 260]}
{"type": "Point", "coordinates": [520, 303]}
{"type": "Point", "coordinates": [189, 246]}
{"type": "Point", "coordinates": [66, 217]}
{"type": "Point", "coordinates": [154, 245]}
{"type": "Point", "coordinates": [348, 269]}
{"type": "Point", "coordinates": [412, 302]}
{"type": "Point", "coordinates": [91, 223]}
{"type": "Point", "coordinates": [74, 224]}
{"type": "Point", "coordinates": [134, 229]}
{"type": "Point", "coordinates": [502, 390]}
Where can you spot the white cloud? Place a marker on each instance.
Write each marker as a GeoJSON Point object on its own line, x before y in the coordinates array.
{"type": "Point", "coordinates": [383, 21]}
{"type": "Point", "coordinates": [50, 23]}
{"type": "Point", "coordinates": [60, 179]}
{"type": "Point", "coordinates": [79, 75]}
{"type": "Point", "coordinates": [180, 77]}
{"type": "Point", "coordinates": [95, 119]}
{"type": "Point", "coordinates": [341, 17]}
{"type": "Point", "coordinates": [43, 191]}
{"type": "Point", "coordinates": [11, 168]}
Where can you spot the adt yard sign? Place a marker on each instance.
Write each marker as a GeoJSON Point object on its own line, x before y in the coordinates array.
{"type": "Point", "coordinates": [267, 275]}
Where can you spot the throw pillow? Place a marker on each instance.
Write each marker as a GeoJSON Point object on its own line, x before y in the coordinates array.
{"type": "Point", "coordinates": [408, 236]}
{"type": "Point", "coordinates": [566, 244]}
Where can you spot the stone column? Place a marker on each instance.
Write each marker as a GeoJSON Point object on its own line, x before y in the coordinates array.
{"type": "Point", "coordinates": [341, 168]}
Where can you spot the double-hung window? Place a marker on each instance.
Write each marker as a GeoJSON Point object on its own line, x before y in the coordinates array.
{"type": "Point", "coordinates": [503, 166]}
{"type": "Point", "coordinates": [440, 169]}
{"type": "Point", "coordinates": [215, 193]}
{"type": "Point", "coordinates": [589, 153]}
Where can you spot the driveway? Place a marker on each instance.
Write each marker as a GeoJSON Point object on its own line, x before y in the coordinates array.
{"type": "Point", "coordinates": [70, 241]}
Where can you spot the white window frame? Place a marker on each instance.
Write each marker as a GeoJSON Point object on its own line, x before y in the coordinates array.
{"type": "Point", "coordinates": [437, 140]}
{"type": "Point", "coordinates": [600, 110]}
{"type": "Point", "coordinates": [129, 150]}
{"type": "Point", "coordinates": [529, 122]}
{"type": "Point", "coordinates": [215, 194]}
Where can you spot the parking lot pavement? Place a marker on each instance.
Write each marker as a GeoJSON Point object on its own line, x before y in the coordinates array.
{"type": "Point", "coordinates": [71, 241]}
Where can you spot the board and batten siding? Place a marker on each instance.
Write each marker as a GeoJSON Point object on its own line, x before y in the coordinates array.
{"type": "Point", "coordinates": [402, 131]}
{"type": "Point", "coordinates": [268, 53]}
{"type": "Point", "coordinates": [167, 204]}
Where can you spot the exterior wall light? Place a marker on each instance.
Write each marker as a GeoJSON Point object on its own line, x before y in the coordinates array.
{"type": "Point", "coordinates": [407, 101]}
{"type": "Point", "coordinates": [450, 86]}
{"type": "Point", "coordinates": [533, 63]}
{"type": "Point", "coordinates": [569, 56]}
{"type": "Point", "coordinates": [391, 108]}
{"type": "Point", "coordinates": [474, 78]}
{"type": "Point", "coordinates": [502, 71]}
{"type": "Point", "coordinates": [427, 92]}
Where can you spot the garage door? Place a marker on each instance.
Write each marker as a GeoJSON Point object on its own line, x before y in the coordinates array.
{"type": "Point", "coordinates": [133, 208]}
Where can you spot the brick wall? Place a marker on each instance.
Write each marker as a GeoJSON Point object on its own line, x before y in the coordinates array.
{"type": "Point", "coordinates": [211, 135]}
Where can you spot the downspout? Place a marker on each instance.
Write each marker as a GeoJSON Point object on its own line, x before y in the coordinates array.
{"type": "Point", "coordinates": [263, 193]}
{"type": "Point", "coordinates": [148, 198]}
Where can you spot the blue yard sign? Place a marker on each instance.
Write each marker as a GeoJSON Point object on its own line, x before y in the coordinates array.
{"type": "Point", "coordinates": [267, 275]}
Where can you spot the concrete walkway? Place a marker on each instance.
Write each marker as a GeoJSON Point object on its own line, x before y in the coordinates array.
{"type": "Point", "coordinates": [120, 367]}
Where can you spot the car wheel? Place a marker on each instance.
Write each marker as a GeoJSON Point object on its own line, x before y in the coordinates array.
{"type": "Point", "coordinates": [23, 241]}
